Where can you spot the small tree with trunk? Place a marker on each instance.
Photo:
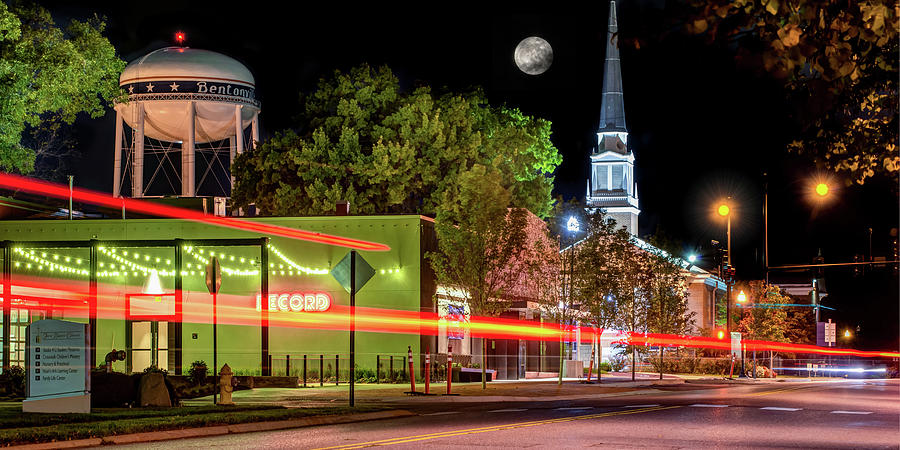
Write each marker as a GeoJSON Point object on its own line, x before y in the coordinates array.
{"type": "Point", "coordinates": [483, 246]}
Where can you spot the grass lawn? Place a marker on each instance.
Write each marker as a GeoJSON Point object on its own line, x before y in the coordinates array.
{"type": "Point", "coordinates": [17, 427]}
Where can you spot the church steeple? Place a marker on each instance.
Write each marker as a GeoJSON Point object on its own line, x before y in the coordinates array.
{"type": "Point", "coordinates": [612, 112]}
{"type": "Point", "coordinates": [611, 186]}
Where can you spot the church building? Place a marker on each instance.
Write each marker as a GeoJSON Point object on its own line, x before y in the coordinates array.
{"type": "Point", "coordinates": [611, 186]}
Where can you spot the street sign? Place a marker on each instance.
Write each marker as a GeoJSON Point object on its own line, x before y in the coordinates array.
{"type": "Point", "coordinates": [213, 275]}
{"type": "Point", "coordinates": [341, 272]}
{"type": "Point", "coordinates": [736, 344]}
{"type": "Point", "coordinates": [830, 332]}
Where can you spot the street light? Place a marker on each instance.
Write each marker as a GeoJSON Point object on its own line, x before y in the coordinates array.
{"type": "Point", "coordinates": [724, 210]}
{"type": "Point", "coordinates": [741, 297]}
{"type": "Point", "coordinates": [821, 189]}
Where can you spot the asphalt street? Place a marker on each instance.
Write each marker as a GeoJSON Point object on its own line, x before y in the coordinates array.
{"type": "Point", "coordinates": [843, 414]}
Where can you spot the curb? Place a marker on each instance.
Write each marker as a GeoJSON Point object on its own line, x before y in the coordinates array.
{"type": "Point", "coordinates": [509, 398]}
{"type": "Point", "coordinates": [219, 430]}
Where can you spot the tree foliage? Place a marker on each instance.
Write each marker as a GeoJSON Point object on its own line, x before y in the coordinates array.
{"type": "Point", "coordinates": [767, 319]}
{"type": "Point", "coordinates": [487, 256]}
{"type": "Point", "coordinates": [364, 140]}
{"type": "Point", "coordinates": [839, 61]}
{"type": "Point", "coordinates": [49, 74]}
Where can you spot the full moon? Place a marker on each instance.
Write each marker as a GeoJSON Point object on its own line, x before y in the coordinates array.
{"type": "Point", "coordinates": [533, 55]}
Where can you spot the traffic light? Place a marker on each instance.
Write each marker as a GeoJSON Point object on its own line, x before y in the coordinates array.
{"type": "Point", "coordinates": [728, 273]}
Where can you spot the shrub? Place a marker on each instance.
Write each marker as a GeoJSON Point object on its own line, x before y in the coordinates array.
{"type": "Point", "coordinates": [154, 369]}
{"type": "Point", "coordinates": [197, 372]}
{"type": "Point", "coordinates": [12, 382]}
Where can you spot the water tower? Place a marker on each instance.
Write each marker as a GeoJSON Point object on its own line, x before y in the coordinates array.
{"type": "Point", "coordinates": [182, 102]}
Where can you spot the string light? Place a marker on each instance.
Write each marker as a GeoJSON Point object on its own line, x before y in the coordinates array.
{"type": "Point", "coordinates": [127, 266]}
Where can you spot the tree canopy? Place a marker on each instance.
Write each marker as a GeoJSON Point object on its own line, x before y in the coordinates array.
{"type": "Point", "coordinates": [839, 62]}
{"type": "Point", "coordinates": [363, 139]}
{"type": "Point", "coordinates": [49, 74]}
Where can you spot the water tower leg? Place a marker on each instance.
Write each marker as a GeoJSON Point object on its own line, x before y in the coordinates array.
{"type": "Point", "coordinates": [187, 156]}
{"type": "Point", "coordinates": [117, 159]}
{"type": "Point", "coordinates": [137, 165]}
{"type": "Point", "coordinates": [254, 130]}
{"type": "Point", "coordinates": [238, 143]}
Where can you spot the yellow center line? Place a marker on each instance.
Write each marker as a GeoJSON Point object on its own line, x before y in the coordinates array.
{"type": "Point", "coordinates": [422, 437]}
{"type": "Point", "coordinates": [778, 391]}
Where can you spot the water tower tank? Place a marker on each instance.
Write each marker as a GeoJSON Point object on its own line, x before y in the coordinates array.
{"type": "Point", "coordinates": [181, 97]}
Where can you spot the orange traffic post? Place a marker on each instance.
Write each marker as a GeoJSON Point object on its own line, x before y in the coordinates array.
{"type": "Point", "coordinates": [449, 367]}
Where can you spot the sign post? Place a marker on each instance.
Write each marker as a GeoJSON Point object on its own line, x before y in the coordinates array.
{"type": "Point", "coordinates": [353, 272]}
{"type": "Point", "coordinates": [213, 283]}
{"type": "Point", "coordinates": [58, 376]}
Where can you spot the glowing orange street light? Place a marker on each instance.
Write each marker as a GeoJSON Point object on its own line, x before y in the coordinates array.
{"type": "Point", "coordinates": [821, 189]}
{"type": "Point", "coordinates": [741, 297]}
{"type": "Point", "coordinates": [723, 210]}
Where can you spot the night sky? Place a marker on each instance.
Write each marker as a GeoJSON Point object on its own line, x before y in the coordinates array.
{"type": "Point", "coordinates": [701, 127]}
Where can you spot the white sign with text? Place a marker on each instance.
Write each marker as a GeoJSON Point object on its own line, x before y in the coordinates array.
{"type": "Point", "coordinates": [57, 360]}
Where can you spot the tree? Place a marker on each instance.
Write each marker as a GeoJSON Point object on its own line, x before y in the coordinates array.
{"type": "Point", "coordinates": [768, 318]}
{"type": "Point", "coordinates": [838, 60]}
{"type": "Point", "coordinates": [49, 74]}
{"type": "Point", "coordinates": [667, 311]}
{"type": "Point", "coordinates": [363, 139]}
{"type": "Point", "coordinates": [485, 254]}
{"type": "Point", "coordinates": [600, 260]}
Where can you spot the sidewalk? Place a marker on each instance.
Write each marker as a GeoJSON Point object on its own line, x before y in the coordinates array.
{"type": "Point", "coordinates": [546, 389]}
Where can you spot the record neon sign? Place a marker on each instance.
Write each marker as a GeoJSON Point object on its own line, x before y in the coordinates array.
{"type": "Point", "coordinates": [297, 302]}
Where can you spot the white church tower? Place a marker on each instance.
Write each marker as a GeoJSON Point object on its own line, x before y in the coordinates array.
{"type": "Point", "coordinates": [611, 186]}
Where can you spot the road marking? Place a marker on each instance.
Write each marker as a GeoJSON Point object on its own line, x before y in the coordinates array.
{"type": "Point", "coordinates": [641, 406]}
{"type": "Point", "coordinates": [507, 410]}
{"type": "Point", "coordinates": [777, 408]}
{"type": "Point", "coordinates": [443, 413]}
{"type": "Point", "coordinates": [406, 439]}
{"type": "Point", "coordinates": [704, 405]}
{"type": "Point", "coordinates": [852, 412]}
{"type": "Point", "coordinates": [779, 391]}
{"type": "Point", "coordinates": [574, 408]}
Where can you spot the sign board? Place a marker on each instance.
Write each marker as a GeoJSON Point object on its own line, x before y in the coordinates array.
{"type": "Point", "coordinates": [150, 307]}
{"type": "Point", "coordinates": [736, 344]}
{"type": "Point", "coordinates": [830, 332]}
{"type": "Point", "coordinates": [364, 272]}
{"type": "Point", "coordinates": [57, 359]}
{"type": "Point", "coordinates": [213, 275]}
{"type": "Point", "coordinates": [297, 302]}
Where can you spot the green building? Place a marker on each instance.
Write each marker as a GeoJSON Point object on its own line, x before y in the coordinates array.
{"type": "Point", "coordinates": [48, 264]}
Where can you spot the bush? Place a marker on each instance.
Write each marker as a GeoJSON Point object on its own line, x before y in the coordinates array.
{"type": "Point", "coordinates": [154, 369]}
{"type": "Point", "coordinates": [12, 382]}
{"type": "Point", "coordinates": [365, 375]}
{"type": "Point", "coordinates": [197, 372]}
{"type": "Point", "coordinates": [604, 366]}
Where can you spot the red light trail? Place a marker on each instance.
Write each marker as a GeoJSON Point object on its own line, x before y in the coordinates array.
{"type": "Point", "coordinates": [241, 310]}
{"type": "Point", "coordinates": [15, 182]}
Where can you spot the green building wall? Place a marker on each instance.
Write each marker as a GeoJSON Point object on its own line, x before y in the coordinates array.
{"type": "Point", "coordinates": [403, 285]}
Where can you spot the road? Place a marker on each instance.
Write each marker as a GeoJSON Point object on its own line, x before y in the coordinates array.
{"type": "Point", "coordinates": [845, 414]}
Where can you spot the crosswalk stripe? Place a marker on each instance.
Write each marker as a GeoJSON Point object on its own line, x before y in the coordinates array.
{"type": "Point", "coordinates": [852, 412]}
{"type": "Point", "coordinates": [778, 408]}
{"type": "Point", "coordinates": [703, 405]}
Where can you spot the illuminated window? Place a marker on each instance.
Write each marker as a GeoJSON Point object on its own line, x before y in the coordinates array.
{"type": "Point", "coordinates": [618, 177]}
{"type": "Point", "coordinates": [600, 181]}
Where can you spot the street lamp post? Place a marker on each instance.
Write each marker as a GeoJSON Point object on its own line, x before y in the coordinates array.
{"type": "Point", "coordinates": [725, 211]}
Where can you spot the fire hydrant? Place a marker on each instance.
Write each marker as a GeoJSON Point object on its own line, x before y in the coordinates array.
{"type": "Point", "coordinates": [225, 386]}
